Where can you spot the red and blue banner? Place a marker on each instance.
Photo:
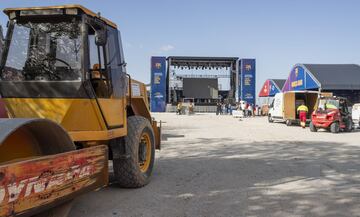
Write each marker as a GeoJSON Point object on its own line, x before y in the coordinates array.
{"type": "Point", "coordinates": [300, 79]}
{"type": "Point", "coordinates": [158, 84]}
{"type": "Point", "coordinates": [269, 89]}
{"type": "Point", "coordinates": [247, 80]}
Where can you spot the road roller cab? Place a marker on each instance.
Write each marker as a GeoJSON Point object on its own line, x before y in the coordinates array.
{"type": "Point", "coordinates": [63, 71]}
{"type": "Point", "coordinates": [65, 64]}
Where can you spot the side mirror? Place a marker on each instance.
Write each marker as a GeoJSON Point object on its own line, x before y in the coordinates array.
{"type": "Point", "coordinates": [101, 37]}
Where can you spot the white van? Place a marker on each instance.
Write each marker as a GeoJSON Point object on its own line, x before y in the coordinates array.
{"type": "Point", "coordinates": [355, 112]}
{"type": "Point", "coordinates": [284, 105]}
{"type": "Point", "coordinates": [276, 108]}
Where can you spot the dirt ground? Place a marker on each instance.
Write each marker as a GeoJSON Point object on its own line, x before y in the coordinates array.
{"type": "Point", "coordinates": [220, 166]}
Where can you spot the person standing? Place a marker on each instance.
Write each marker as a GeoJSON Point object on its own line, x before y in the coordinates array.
{"type": "Point", "coordinates": [226, 108]}
{"type": "Point", "coordinates": [246, 109]}
{"type": "Point", "coordinates": [178, 108]}
{"type": "Point", "coordinates": [242, 107]}
{"type": "Point", "coordinates": [238, 106]}
{"type": "Point", "coordinates": [218, 108]}
{"type": "Point", "coordinates": [302, 111]}
{"type": "Point", "coordinates": [230, 108]}
{"type": "Point", "coordinates": [250, 110]}
{"type": "Point", "coordinates": [191, 108]}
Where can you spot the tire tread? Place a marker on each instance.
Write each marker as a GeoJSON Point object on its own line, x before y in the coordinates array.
{"type": "Point", "coordinates": [126, 170]}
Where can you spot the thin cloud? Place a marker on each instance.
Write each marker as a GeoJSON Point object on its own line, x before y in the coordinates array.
{"type": "Point", "coordinates": [167, 47]}
{"type": "Point", "coordinates": [128, 44]}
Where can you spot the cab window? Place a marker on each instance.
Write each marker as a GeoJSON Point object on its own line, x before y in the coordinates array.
{"type": "Point", "coordinates": [44, 50]}
{"type": "Point", "coordinates": [99, 73]}
{"type": "Point", "coordinates": [115, 63]}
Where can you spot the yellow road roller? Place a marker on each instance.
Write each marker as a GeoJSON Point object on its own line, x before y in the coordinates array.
{"type": "Point", "coordinates": [72, 107]}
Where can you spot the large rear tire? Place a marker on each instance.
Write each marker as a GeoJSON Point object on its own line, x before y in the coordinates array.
{"type": "Point", "coordinates": [334, 127]}
{"type": "Point", "coordinates": [135, 171]}
{"type": "Point", "coordinates": [312, 127]}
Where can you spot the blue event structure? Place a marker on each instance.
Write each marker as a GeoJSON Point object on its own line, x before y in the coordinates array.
{"type": "Point", "coordinates": [339, 79]}
{"type": "Point", "coordinates": [243, 78]}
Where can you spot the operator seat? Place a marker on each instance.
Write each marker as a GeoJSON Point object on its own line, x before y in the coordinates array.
{"type": "Point", "coordinates": [98, 83]}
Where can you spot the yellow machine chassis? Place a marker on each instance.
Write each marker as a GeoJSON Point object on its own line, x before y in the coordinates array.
{"type": "Point", "coordinates": [81, 118]}
{"type": "Point", "coordinates": [38, 143]}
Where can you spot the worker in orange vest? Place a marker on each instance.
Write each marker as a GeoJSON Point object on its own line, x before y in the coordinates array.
{"type": "Point", "coordinates": [302, 111]}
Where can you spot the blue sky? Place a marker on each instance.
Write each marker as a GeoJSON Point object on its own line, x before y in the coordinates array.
{"type": "Point", "coordinates": [278, 33]}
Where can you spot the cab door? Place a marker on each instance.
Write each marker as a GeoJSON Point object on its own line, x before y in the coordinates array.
{"type": "Point", "coordinates": [108, 78]}
{"type": "Point", "coordinates": [277, 106]}
{"type": "Point", "coordinates": [289, 106]}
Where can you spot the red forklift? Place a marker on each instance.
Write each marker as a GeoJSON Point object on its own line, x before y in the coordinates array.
{"type": "Point", "coordinates": [332, 114]}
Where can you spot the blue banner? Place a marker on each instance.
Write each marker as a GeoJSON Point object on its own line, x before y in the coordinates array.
{"type": "Point", "coordinates": [238, 90]}
{"type": "Point", "coordinates": [299, 79]}
{"type": "Point", "coordinates": [158, 84]}
{"type": "Point", "coordinates": [248, 78]}
{"type": "Point", "coordinates": [273, 89]}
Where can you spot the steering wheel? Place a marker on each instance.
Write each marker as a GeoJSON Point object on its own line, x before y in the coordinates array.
{"type": "Point", "coordinates": [51, 72]}
{"type": "Point", "coordinates": [60, 60]}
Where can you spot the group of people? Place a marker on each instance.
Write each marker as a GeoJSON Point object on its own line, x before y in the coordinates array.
{"type": "Point", "coordinates": [248, 109]}
{"type": "Point", "coordinates": [223, 108]}
{"type": "Point", "coordinates": [188, 109]}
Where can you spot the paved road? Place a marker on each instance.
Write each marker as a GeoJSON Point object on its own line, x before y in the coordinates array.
{"type": "Point", "coordinates": [220, 166]}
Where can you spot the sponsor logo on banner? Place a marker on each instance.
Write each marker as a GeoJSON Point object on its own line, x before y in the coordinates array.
{"type": "Point", "coordinates": [158, 65]}
{"type": "Point", "coordinates": [158, 95]}
{"type": "Point", "coordinates": [248, 79]}
{"type": "Point", "coordinates": [157, 78]}
{"type": "Point", "coordinates": [249, 96]}
{"type": "Point", "coordinates": [297, 83]}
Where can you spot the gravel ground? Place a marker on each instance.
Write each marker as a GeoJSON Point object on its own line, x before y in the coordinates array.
{"type": "Point", "coordinates": [220, 166]}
